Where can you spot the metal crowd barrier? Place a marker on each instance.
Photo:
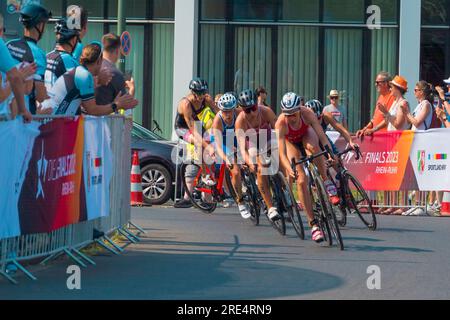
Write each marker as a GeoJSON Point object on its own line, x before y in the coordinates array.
{"type": "Point", "coordinates": [399, 201]}
{"type": "Point", "coordinates": [70, 239]}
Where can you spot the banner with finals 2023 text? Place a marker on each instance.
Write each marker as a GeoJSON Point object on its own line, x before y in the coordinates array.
{"type": "Point", "coordinates": [401, 160]}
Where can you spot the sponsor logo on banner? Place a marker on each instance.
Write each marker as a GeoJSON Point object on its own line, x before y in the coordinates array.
{"type": "Point", "coordinates": [421, 161]}
{"type": "Point", "coordinates": [96, 164]}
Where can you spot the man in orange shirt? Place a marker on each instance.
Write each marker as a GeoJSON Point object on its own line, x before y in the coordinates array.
{"type": "Point", "coordinates": [386, 98]}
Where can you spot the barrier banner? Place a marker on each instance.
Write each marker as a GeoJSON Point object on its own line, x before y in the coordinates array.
{"type": "Point", "coordinates": [402, 160]}
{"type": "Point", "coordinates": [97, 166]}
{"type": "Point", "coordinates": [47, 182]}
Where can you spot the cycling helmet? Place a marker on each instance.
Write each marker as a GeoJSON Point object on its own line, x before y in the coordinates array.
{"type": "Point", "coordinates": [227, 102]}
{"type": "Point", "coordinates": [33, 14]}
{"type": "Point", "coordinates": [247, 99]}
{"type": "Point", "coordinates": [316, 106]}
{"type": "Point", "coordinates": [65, 33]}
{"type": "Point", "coordinates": [290, 103]}
{"type": "Point", "coordinates": [198, 85]}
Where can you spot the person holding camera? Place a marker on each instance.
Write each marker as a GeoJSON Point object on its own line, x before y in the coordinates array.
{"type": "Point", "coordinates": [443, 113]}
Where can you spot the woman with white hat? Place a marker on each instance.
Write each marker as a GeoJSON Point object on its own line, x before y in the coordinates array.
{"type": "Point", "coordinates": [338, 112]}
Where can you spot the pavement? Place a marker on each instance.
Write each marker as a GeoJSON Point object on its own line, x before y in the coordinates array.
{"type": "Point", "coordinates": [188, 255]}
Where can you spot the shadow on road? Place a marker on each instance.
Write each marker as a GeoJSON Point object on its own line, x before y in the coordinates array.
{"type": "Point", "coordinates": [385, 249]}
{"type": "Point", "coordinates": [213, 276]}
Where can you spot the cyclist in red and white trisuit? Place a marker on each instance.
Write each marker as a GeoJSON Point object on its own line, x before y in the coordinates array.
{"type": "Point", "coordinates": [299, 128]}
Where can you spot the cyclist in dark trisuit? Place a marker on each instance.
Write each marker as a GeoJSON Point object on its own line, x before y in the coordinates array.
{"type": "Point", "coordinates": [198, 106]}
{"type": "Point", "coordinates": [34, 18]}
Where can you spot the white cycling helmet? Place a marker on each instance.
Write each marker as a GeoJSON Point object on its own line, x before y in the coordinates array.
{"type": "Point", "coordinates": [227, 102]}
{"type": "Point", "coordinates": [290, 103]}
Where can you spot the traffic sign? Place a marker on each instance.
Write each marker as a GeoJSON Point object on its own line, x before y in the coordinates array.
{"type": "Point", "coordinates": [125, 43]}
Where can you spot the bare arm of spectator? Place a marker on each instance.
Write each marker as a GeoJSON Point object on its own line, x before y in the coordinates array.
{"type": "Point", "coordinates": [131, 86]}
{"type": "Point", "coordinates": [5, 92]}
{"type": "Point", "coordinates": [41, 91]}
{"type": "Point", "coordinates": [399, 118]}
{"type": "Point", "coordinates": [16, 81]}
{"type": "Point", "coordinates": [329, 119]}
{"type": "Point", "coordinates": [443, 117]}
{"type": "Point", "coordinates": [419, 118]}
{"type": "Point", "coordinates": [122, 101]}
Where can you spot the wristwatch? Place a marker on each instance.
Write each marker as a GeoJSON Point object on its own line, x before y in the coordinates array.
{"type": "Point", "coordinates": [114, 107]}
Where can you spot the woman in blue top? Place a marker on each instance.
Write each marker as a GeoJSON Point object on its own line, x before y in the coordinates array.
{"type": "Point", "coordinates": [226, 144]}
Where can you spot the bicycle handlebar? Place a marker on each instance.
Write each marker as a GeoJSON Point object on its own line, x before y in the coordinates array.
{"type": "Point", "coordinates": [357, 151]}
{"type": "Point", "coordinates": [306, 159]}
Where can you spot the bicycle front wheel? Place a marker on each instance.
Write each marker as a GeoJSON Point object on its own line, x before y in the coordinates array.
{"type": "Point", "coordinates": [275, 192]}
{"type": "Point", "coordinates": [358, 202]}
{"type": "Point", "coordinates": [247, 194]}
{"type": "Point", "coordinates": [329, 215]}
{"type": "Point", "coordinates": [290, 204]}
{"type": "Point", "coordinates": [200, 196]}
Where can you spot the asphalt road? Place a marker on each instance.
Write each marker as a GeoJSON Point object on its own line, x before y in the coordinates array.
{"type": "Point", "coordinates": [188, 255]}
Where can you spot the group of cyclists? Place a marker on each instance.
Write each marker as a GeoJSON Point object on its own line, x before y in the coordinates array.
{"type": "Point", "coordinates": [62, 82]}
{"type": "Point", "coordinates": [300, 131]}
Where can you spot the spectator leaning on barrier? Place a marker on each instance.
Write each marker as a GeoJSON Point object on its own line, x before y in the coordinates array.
{"type": "Point", "coordinates": [338, 112]}
{"type": "Point", "coordinates": [75, 89]}
{"type": "Point", "coordinates": [421, 118]}
{"type": "Point", "coordinates": [385, 98]}
{"type": "Point", "coordinates": [105, 94]}
{"type": "Point", "coordinates": [395, 117]}
{"type": "Point", "coordinates": [12, 80]}
{"type": "Point", "coordinates": [34, 18]}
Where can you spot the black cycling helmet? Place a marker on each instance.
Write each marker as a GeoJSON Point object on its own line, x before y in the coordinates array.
{"type": "Point", "coordinates": [64, 32]}
{"type": "Point", "coordinates": [316, 106]}
{"type": "Point", "coordinates": [33, 14]}
{"type": "Point", "coordinates": [247, 99]}
{"type": "Point", "coordinates": [198, 85]}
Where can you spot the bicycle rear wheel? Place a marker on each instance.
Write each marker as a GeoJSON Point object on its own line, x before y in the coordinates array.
{"type": "Point", "coordinates": [358, 201]}
{"type": "Point", "coordinates": [201, 199]}
{"type": "Point", "coordinates": [290, 204]}
{"type": "Point", "coordinates": [329, 215]}
{"type": "Point", "coordinates": [318, 213]}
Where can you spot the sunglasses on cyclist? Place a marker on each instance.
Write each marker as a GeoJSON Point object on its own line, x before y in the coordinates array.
{"type": "Point", "coordinates": [251, 109]}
